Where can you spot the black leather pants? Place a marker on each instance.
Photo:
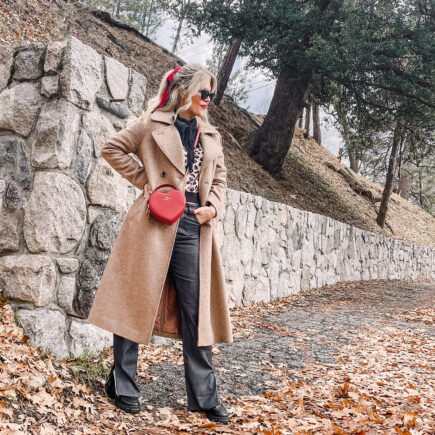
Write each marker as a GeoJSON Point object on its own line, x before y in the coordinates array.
{"type": "Point", "coordinates": [198, 366]}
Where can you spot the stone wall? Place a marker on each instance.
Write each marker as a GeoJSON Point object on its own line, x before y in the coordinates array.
{"type": "Point", "coordinates": [271, 250]}
{"type": "Point", "coordinates": [62, 205]}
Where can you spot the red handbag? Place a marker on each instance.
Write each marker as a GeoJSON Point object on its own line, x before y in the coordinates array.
{"type": "Point", "coordinates": [168, 206]}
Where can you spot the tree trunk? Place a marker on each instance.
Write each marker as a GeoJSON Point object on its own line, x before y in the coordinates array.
{"type": "Point", "coordinates": [307, 119]}
{"type": "Point", "coordinates": [117, 8]}
{"type": "Point", "coordinates": [353, 161]}
{"type": "Point", "coordinates": [405, 173]}
{"type": "Point", "coordinates": [405, 181]}
{"type": "Point", "coordinates": [150, 12]}
{"type": "Point", "coordinates": [271, 142]}
{"type": "Point", "coordinates": [143, 17]}
{"type": "Point", "coordinates": [226, 69]}
{"type": "Point", "coordinates": [383, 208]}
{"type": "Point", "coordinates": [177, 35]}
{"type": "Point", "coordinates": [342, 119]}
{"type": "Point", "coordinates": [300, 119]}
{"type": "Point", "coordinates": [316, 124]}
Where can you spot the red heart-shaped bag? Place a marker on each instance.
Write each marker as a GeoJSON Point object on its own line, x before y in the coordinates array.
{"type": "Point", "coordinates": [167, 207]}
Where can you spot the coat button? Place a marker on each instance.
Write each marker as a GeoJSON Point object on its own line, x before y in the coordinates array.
{"type": "Point", "coordinates": [163, 173]}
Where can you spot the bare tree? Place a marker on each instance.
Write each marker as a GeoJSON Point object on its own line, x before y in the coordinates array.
{"type": "Point", "coordinates": [226, 69]}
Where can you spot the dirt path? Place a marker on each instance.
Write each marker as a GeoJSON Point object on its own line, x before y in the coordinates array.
{"type": "Point", "coordinates": [366, 335]}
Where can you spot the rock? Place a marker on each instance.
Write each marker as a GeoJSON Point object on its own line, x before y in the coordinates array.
{"type": "Point", "coordinates": [162, 341]}
{"type": "Point", "coordinates": [14, 196]}
{"type": "Point", "coordinates": [102, 235]}
{"type": "Point", "coordinates": [241, 215]}
{"type": "Point", "coordinates": [250, 220]}
{"type": "Point", "coordinates": [82, 74]}
{"type": "Point", "coordinates": [87, 338]}
{"type": "Point", "coordinates": [67, 265]}
{"type": "Point", "coordinates": [305, 278]}
{"type": "Point", "coordinates": [256, 290]}
{"type": "Point", "coordinates": [28, 277]}
{"type": "Point", "coordinates": [55, 216]}
{"type": "Point", "coordinates": [50, 86]}
{"type": "Point", "coordinates": [94, 212]}
{"type": "Point", "coordinates": [116, 78]}
{"type": "Point", "coordinates": [6, 60]}
{"type": "Point", "coordinates": [229, 221]}
{"type": "Point", "coordinates": [231, 256]}
{"type": "Point", "coordinates": [84, 158]}
{"type": "Point", "coordinates": [9, 236]}
{"type": "Point", "coordinates": [19, 107]}
{"type": "Point", "coordinates": [106, 187]}
{"type": "Point", "coordinates": [65, 293]}
{"type": "Point", "coordinates": [116, 109]}
{"type": "Point", "coordinates": [29, 62]}
{"type": "Point", "coordinates": [53, 57]}
{"type": "Point", "coordinates": [99, 129]}
{"type": "Point", "coordinates": [56, 131]}
{"type": "Point", "coordinates": [138, 86]}
{"type": "Point", "coordinates": [233, 198]}
{"type": "Point", "coordinates": [46, 329]}
{"type": "Point", "coordinates": [15, 161]}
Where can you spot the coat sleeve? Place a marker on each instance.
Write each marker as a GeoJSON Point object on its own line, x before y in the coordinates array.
{"type": "Point", "coordinates": [219, 186]}
{"type": "Point", "coordinates": [115, 152]}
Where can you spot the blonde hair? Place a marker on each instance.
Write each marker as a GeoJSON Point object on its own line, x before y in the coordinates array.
{"type": "Point", "coordinates": [187, 80]}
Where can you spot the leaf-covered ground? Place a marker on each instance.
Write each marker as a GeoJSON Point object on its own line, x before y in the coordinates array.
{"type": "Point", "coordinates": [352, 358]}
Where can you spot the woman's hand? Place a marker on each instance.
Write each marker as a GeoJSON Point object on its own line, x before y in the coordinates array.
{"type": "Point", "coordinates": [204, 214]}
{"type": "Point", "coordinates": [145, 191]}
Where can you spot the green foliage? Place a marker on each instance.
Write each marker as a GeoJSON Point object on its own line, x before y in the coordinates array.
{"type": "Point", "coordinates": [370, 63]}
{"type": "Point", "coordinates": [11, 73]}
{"type": "Point", "coordinates": [89, 367]}
{"type": "Point", "coordinates": [16, 319]}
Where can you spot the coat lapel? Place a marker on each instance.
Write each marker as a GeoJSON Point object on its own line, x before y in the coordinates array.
{"type": "Point", "coordinates": [169, 141]}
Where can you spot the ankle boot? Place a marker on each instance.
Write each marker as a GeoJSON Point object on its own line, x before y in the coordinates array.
{"type": "Point", "coordinates": [126, 403]}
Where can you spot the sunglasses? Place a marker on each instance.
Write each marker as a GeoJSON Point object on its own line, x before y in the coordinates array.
{"type": "Point", "coordinates": [206, 93]}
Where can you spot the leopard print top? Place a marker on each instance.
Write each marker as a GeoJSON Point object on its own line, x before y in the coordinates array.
{"type": "Point", "coordinates": [192, 180]}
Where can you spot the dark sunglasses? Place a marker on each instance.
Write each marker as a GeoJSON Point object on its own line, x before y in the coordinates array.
{"type": "Point", "coordinates": [206, 93]}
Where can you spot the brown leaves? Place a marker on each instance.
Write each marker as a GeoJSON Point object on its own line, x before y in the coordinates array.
{"type": "Point", "coordinates": [343, 392]}
{"type": "Point", "coordinates": [383, 382]}
{"type": "Point", "coordinates": [19, 25]}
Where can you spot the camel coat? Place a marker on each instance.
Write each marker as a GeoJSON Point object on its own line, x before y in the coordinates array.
{"type": "Point", "coordinates": [136, 298]}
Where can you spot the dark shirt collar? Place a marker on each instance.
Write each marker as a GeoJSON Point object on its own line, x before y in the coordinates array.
{"type": "Point", "coordinates": [182, 122]}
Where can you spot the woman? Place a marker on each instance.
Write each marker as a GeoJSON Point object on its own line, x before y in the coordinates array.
{"type": "Point", "coordinates": [163, 279]}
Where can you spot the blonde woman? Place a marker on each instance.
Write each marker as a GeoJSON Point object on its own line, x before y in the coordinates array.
{"type": "Point", "coordinates": [164, 279]}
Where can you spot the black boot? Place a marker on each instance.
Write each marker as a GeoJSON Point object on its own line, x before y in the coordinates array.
{"type": "Point", "coordinates": [218, 413]}
{"type": "Point", "coordinates": [126, 403]}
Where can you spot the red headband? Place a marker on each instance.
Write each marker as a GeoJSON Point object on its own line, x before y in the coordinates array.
{"type": "Point", "coordinates": [165, 94]}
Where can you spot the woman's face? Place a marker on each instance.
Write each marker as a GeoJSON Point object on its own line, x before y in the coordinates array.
{"type": "Point", "coordinates": [198, 106]}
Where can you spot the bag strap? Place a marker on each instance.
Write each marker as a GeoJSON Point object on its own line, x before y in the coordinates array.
{"type": "Point", "coordinates": [163, 185]}
{"type": "Point", "coordinates": [194, 145]}
{"type": "Point", "coordinates": [197, 136]}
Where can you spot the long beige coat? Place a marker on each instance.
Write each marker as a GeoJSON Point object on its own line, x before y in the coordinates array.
{"type": "Point", "coordinates": [136, 298]}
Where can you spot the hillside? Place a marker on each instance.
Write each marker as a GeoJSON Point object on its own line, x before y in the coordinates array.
{"type": "Point", "coordinates": [311, 180]}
